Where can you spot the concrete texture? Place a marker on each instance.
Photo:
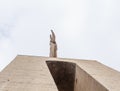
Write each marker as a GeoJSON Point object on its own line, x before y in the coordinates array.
{"type": "Point", "coordinates": [63, 74]}
{"type": "Point", "coordinates": [31, 73]}
{"type": "Point", "coordinates": [85, 82]}
{"type": "Point", "coordinates": [27, 74]}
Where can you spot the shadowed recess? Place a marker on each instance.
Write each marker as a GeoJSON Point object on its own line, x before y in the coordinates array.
{"type": "Point", "coordinates": [63, 74]}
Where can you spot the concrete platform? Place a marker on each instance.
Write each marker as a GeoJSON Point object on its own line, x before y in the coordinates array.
{"type": "Point", "coordinates": [34, 73]}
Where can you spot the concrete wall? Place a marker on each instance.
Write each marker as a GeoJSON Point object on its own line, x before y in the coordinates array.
{"type": "Point", "coordinates": [27, 73]}
{"type": "Point", "coordinates": [31, 73]}
{"type": "Point", "coordinates": [69, 76]}
{"type": "Point", "coordinates": [63, 74]}
{"type": "Point", "coordinates": [84, 82]}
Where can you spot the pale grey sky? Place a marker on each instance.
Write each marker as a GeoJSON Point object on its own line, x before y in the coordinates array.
{"type": "Point", "coordinates": [85, 29]}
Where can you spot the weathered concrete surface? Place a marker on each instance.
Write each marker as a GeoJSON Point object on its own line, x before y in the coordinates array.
{"type": "Point", "coordinates": [108, 79]}
{"type": "Point", "coordinates": [30, 73]}
{"type": "Point", "coordinates": [27, 73]}
{"type": "Point", "coordinates": [85, 82]}
{"type": "Point", "coordinates": [63, 74]}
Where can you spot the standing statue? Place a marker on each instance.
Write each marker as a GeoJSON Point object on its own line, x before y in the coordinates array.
{"type": "Point", "coordinates": [53, 45]}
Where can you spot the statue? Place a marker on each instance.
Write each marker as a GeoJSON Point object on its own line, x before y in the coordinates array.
{"type": "Point", "coordinates": [53, 45]}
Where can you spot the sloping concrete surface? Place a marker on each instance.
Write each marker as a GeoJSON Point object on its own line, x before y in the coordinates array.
{"type": "Point", "coordinates": [30, 73]}
{"type": "Point", "coordinates": [27, 73]}
{"type": "Point", "coordinates": [106, 76]}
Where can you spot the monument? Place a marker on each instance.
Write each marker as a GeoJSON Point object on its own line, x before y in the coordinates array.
{"type": "Point", "coordinates": [36, 73]}
{"type": "Point", "coordinates": [53, 45]}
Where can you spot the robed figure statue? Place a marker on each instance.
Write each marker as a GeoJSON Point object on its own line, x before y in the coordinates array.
{"type": "Point", "coordinates": [53, 45]}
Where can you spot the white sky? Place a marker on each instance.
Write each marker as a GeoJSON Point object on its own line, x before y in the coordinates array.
{"type": "Point", "coordinates": [85, 29]}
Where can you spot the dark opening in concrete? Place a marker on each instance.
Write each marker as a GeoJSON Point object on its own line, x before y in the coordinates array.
{"type": "Point", "coordinates": [63, 74]}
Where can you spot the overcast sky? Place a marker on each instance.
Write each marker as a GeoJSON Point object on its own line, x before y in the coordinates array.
{"type": "Point", "coordinates": [85, 29]}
